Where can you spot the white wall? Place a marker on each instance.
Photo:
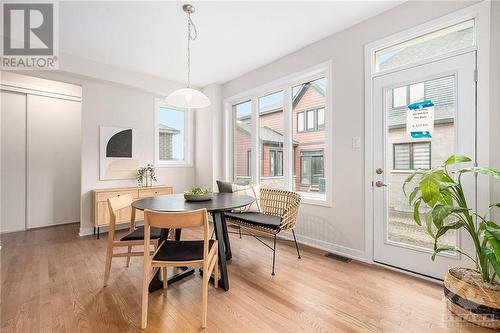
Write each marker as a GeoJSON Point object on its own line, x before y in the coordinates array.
{"type": "Point", "coordinates": [121, 105]}
{"type": "Point", "coordinates": [208, 136]}
{"type": "Point", "coordinates": [341, 227]}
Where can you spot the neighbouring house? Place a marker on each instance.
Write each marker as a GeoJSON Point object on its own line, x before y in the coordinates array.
{"type": "Point", "coordinates": [165, 141]}
{"type": "Point", "coordinates": [308, 131]}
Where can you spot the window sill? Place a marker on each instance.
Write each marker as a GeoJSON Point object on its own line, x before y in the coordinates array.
{"type": "Point", "coordinates": [315, 199]}
{"type": "Point", "coordinates": [174, 165]}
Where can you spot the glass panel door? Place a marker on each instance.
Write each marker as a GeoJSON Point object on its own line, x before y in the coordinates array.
{"type": "Point", "coordinates": [449, 85]}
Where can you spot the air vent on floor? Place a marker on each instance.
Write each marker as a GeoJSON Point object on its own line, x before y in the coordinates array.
{"type": "Point", "coordinates": [338, 257]}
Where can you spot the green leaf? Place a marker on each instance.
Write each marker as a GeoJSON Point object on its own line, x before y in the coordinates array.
{"type": "Point", "coordinates": [412, 195]}
{"type": "Point", "coordinates": [452, 226]}
{"type": "Point", "coordinates": [492, 258]}
{"type": "Point", "coordinates": [428, 223]}
{"type": "Point", "coordinates": [497, 205]}
{"type": "Point", "coordinates": [454, 159]}
{"type": "Point", "coordinates": [492, 172]}
{"type": "Point", "coordinates": [429, 186]}
{"type": "Point", "coordinates": [416, 212]}
{"type": "Point", "coordinates": [441, 212]}
{"type": "Point", "coordinates": [493, 229]}
{"type": "Point", "coordinates": [410, 178]}
{"type": "Point", "coordinates": [447, 248]}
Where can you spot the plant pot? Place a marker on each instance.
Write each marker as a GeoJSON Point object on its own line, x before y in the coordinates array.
{"type": "Point", "coordinates": [468, 297]}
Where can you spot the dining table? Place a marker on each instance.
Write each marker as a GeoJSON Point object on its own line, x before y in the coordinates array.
{"type": "Point", "coordinates": [216, 206]}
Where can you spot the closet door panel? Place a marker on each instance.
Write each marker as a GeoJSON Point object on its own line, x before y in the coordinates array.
{"type": "Point", "coordinates": [13, 161]}
{"type": "Point", "coordinates": [53, 168]}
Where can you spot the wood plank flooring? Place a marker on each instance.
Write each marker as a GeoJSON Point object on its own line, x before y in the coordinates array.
{"type": "Point", "coordinates": [51, 281]}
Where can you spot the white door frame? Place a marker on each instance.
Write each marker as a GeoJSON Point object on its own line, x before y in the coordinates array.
{"type": "Point", "coordinates": [481, 13]}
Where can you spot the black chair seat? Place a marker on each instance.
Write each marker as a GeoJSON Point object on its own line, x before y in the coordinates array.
{"type": "Point", "coordinates": [257, 219]}
{"type": "Point", "coordinates": [138, 234]}
{"type": "Point", "coordinates": [181, 250]}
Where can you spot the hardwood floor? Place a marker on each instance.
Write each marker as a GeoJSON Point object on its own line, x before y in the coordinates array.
{"type": "Point", "coordinates": [51, 281]}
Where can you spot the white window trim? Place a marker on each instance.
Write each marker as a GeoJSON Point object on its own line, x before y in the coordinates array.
{"type": "Point", "coordinates": [481, 13]}
{"type": "Point", "coordinates": [188, 138]}
{"type": "Point", "coordinates": [284, 84]}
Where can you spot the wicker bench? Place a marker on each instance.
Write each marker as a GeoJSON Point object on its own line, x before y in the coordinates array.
{"type": "Point", "coordinates": [278, 213]}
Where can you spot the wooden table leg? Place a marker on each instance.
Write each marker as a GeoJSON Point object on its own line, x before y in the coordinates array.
{"type": "Point", "coordinates": [224, 247]}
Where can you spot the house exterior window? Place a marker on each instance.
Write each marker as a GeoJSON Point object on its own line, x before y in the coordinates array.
{"type": "Point", "coordinates": [312, 167]}
{"type": "Point", "coordinates": [173, 136]}
{"type": "Point", "coordinates": [412, 156]}
{"type": "Point", "coordinates": [275, 163]}
{"type": "Point", "coordinates": [311, 120]}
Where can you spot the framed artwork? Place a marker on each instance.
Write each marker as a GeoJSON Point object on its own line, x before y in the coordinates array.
{"type": "Point", "coordinates": [118, 153]}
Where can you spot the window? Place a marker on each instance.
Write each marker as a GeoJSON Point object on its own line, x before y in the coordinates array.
{"type": "Point", "coordinates": [242, 143]}
{"type": "Point", "coordinates": [405, 95]}
{"type": "Point", "coordinates": [275, 163]}
{"type": "Point", "coordinates": [271, 140]}
{"type": "Point", "coordinates": [453, 38]}
{"type": "Point", "coordinates": [312, 172]}
{"type": "Point", "coordinates": [173, 139]}
{"type": "Point", "coordinates": [311, 120]}
{"type": "Point", "coordinates": [412, 156]}
{"type": "Point", "coordinates": [288, 149]}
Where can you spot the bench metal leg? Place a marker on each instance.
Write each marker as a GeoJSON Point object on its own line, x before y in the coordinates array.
{"type": "Point", "coordinates": [296, 245]}
{"type": "Point", "coordinates": [274, 254]}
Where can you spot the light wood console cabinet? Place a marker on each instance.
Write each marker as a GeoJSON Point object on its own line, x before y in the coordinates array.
{"type": "Point", "coordinates": [100, 208]}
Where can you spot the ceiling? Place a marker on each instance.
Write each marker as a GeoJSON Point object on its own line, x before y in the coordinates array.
{"type": "Point", "coordinates": [233, 37]}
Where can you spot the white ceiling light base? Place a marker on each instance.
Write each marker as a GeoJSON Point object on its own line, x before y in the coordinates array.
{"type": "Point", "coordinates": [188, 98]}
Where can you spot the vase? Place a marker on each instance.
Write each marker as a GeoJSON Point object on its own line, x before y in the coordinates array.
{"type": "Point", "coordinates": [468, 297]}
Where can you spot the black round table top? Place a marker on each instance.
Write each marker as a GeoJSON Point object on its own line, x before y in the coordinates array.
{"type": "Point", "coordinates": [177, 203]}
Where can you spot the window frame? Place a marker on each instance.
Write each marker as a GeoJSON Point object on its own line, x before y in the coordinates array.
{"type": "Point", "coordinates": [188, 137]}
{"type": "Point", "coordinates": [411, 151]}
{"type": "Point", "coordinates": [323, 70]}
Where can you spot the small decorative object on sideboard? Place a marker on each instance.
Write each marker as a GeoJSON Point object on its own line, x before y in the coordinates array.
{"type": "Point", "coordinates": [146, 176]}
{"type": "Point", "coordinates": [198, 194]}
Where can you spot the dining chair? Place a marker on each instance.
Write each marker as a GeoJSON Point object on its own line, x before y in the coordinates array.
{"type": "Point", "coordinates": [134, 237]}
{"type": "Point", "coordinates": [178, 253]}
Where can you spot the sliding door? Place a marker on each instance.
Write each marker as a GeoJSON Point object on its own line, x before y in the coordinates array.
{"type": "Point", "coordinates": [13, 161]}
{"type": "Point", "coordinates": [54, 154]}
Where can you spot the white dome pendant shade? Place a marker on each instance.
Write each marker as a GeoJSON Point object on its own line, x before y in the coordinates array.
{"type": "Point", "coordinates": [188, 98]}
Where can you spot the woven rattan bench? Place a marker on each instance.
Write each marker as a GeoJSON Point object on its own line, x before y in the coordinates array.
{"type": "Point", "coordinates": [278, 213]}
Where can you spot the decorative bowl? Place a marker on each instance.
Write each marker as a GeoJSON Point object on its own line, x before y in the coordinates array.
{"type": "Point", "coordinates": [198, 197]}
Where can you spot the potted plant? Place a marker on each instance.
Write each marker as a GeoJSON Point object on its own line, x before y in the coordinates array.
{"type": "Point", "coordinates": [472, 294]}
{"type": "Point", "coordinates": [146, 176]}
{"type": "Point", "coordinates": [198, 194]}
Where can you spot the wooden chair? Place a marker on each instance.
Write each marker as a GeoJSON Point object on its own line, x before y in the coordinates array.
{"type": "Point", "coordinates": [172, 253]}
{"type": "Point", "coordinates": [278, 213]}
{"type": "Point", "coordinates": [135, 236]}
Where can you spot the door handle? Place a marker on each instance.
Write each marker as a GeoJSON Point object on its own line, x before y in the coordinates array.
{"type": "Point", "coordinates": [380, 183]}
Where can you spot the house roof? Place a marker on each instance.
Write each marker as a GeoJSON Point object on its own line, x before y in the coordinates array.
{"type": "Point", "coordinates": [167, 129]}
{"type": "Point", "coordinates": [267, 135]}
{"type": "Point", "coordinates": [278, 106]}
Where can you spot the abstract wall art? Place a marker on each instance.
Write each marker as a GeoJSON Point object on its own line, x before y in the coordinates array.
{"type": "Point", "coordinates": [118, 153]}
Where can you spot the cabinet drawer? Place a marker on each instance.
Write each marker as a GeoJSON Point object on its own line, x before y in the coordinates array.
{"type": "Point", "coordinates": [153, 192]}
{"type": "Point", "coordinates": [103, 196]}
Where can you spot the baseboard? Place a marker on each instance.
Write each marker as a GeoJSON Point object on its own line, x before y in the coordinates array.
{"type": "Point", "coordinates": [327, 246]}
{"type": "Point", "coordinates": [90, 230]}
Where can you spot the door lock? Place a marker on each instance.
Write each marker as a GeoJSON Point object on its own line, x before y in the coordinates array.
{"type": "Point", "coordinates": [379, 171]}
{"type": "Point", "coordinates": [380, 183]}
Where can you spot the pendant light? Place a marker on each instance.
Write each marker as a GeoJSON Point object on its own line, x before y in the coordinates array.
{"type": "Point", "coordinates": [188, 98]}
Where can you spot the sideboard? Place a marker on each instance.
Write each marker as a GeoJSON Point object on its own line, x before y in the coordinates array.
{"type": "Point", "coordinates": [100, 210]}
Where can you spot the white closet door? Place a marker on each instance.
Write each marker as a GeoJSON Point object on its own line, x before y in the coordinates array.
{"type": "Point", "coordinates": [13, 161]}
{"type": "Point", "coordinates": [54, 153]}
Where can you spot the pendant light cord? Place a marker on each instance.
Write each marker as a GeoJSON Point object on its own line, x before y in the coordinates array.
{"type": "Point", "coordinates": [192, 35]}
